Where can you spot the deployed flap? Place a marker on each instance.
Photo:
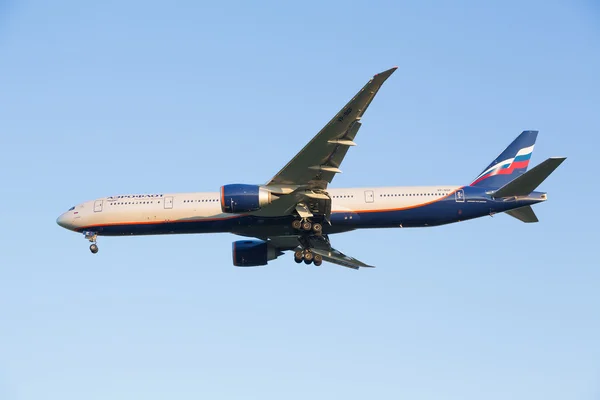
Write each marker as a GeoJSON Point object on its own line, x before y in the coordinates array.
{"type": "Point", "coordinates": [524, 214]}
{"type": "Point", "coordinates": [526, 183]}
{"type": "Point", "coordinates": [318, 162]}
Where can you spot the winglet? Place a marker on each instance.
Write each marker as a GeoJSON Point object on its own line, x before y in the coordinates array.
{"type": "Point", "coordinates": [385, 74]}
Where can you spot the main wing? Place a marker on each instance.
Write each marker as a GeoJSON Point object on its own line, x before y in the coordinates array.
{"type": "Point", "coordinates": [318, 162]}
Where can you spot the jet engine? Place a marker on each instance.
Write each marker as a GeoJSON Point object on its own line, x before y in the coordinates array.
{"type": "Point", "coordinates": [239, 198]}
{"type": "Point", "coordinates": [253, 253]}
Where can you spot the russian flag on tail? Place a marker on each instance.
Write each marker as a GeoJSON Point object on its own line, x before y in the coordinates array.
{"type": "Point", "coordinates": [510, 164]}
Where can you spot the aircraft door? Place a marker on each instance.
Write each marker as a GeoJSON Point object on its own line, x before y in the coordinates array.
{"type": "Point", "coordinates": [369, 196]}
{"type": "Point", "coordinates": [169, 202]}
{"type": "Point", "coordinates": [460, 196]}
{"type": "Point", "coordinates": [98, 206]}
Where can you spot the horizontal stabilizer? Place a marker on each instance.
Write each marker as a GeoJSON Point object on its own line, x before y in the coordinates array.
{"type": "Point", "coordinates": [526, 183]}
{"type": "Point", "coordinates": [524, 214]}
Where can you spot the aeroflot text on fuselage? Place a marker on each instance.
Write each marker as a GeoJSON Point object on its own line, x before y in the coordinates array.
{"type": "Point", "coordinates": [134, 196]}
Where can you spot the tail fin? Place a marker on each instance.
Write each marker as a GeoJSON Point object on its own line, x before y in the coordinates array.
{"type": "Point", "coordinates": [510, 164]}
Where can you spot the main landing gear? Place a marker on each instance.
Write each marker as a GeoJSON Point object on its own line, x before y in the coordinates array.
{"type": "Point", "coordinates": [308, 257]}
{"type": "Point", "coordinates": [92, 236]}
{"type": "Point", "coordinates": [307, 226]}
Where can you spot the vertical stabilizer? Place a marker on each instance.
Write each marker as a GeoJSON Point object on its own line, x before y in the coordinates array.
{"type": "Point", "coordinates": [510, 164]}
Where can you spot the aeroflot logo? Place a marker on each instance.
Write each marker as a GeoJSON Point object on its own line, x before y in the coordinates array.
{"type": "Point", "coordinates": [135, 196]}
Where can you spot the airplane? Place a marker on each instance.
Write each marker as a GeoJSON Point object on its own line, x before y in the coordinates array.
{"type": "Point", "coordinates": [297, 211]}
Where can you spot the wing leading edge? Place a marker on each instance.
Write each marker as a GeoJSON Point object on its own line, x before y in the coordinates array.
{"type": "Point", "coordinates": [318, 162]}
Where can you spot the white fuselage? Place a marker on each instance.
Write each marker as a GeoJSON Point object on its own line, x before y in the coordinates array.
{"type": "Point", "coordinates": [206, 206]}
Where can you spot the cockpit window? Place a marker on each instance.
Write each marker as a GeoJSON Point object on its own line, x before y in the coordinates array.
{"type": "Point", "coordinates": [71, 209]}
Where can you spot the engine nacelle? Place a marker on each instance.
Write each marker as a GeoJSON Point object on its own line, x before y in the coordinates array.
{"type": "Point", "coordinates": [253, 253]}
{"type": "Point", "coordinates": [239, 198]}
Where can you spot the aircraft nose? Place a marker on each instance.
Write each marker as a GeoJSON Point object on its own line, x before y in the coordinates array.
{"type": "Point", "coordinates": [63, 221]}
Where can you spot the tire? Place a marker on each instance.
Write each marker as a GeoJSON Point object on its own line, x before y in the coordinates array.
{"type": "Point", "coordinates": [306, 225]}
{"type": "Point", "coordinates": [94, 248]}
{"type": "Point", "coordinates": [307, 262]}
{"type": "Point", "coordinates": [317, 228]}
{"type": "Point", "coordinates": [318, 258]}
{"type": "Point", "coordinates": [297, 224]}
{"type": "Point", "coordinates": [298, 256]}
{"type": "Point", "coordinates": [308, 256]}
{"type": "Point", "coordinates": [318, 263]}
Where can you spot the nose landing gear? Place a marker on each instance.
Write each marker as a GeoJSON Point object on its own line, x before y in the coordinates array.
{"type": "Point", "coordinates": [92, 236]}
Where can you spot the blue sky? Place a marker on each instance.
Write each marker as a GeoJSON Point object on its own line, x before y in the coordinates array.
{"type": "Point", "coordinates": [119, 97]}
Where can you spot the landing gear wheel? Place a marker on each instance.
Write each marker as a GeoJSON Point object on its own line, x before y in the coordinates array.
{"type": "Point", "coordinates": [94, 248]}
{"type": "Point", "coordinates": [308, 257]}
{"type": "Point", "coordinates": [306, 225]}
{"type": "Point", "coordinates": [297, 224]}
{"type": "Point", "coordinates": [317, 228]}
{"type": "Point", "coordinates": [318, 260]}
{"type": "Point", "coordinates": [298, 256]}
{"type": "Point", "coordinates": [307, 262]}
